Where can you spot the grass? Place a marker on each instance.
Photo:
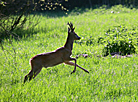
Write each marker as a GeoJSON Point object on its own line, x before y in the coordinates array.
{"type": "Point", "coordinates": [110, 79]}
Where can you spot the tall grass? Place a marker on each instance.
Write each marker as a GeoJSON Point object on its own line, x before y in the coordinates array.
{"type": "Point", "coordinates": [110, 79]}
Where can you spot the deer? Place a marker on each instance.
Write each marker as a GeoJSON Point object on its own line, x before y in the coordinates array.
{"type": "Point", "coordinates": [60, 55]}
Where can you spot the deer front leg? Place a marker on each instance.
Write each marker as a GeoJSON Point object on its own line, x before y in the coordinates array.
{"type": "Point", "coordinates": [70, 59]}
{"type": "Point", "coordinates": [73, 64]}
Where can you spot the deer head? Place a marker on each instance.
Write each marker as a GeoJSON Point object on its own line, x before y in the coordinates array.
{"type": "Point", "coordinates": [72, 32]}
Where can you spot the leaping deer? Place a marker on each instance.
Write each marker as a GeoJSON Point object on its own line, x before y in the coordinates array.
{"type": "Point", "coordinates": [61, 55]}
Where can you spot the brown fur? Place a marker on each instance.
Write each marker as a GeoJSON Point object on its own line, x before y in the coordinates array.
{"type": "Point", "coordinates": [50, 59]}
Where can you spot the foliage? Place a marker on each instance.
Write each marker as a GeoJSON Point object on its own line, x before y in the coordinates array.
{"type": "Point", "coordinates": [15, 15]}
{"type": "Point", "coordinates": [16, 18]}
{"type": "Point", "coordinates": [120, 39]}
{"type": "Point", "coordinates": [71, 4]}
{"type": "Point", "coordinates": [110, 79]}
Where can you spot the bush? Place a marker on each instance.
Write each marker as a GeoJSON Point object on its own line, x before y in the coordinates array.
{"type": "Point", "coordinates": [120, 39]}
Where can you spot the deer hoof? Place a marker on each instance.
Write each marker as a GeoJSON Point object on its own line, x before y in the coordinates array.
{"type": "Point", "coordinates": [73, 72]}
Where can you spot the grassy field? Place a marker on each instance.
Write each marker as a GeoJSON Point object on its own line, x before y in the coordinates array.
{"type": "Point", "coordinates": [110, 79]}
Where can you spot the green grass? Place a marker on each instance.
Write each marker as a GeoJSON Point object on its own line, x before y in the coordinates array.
{"type": "Point", "coordinates": [110, 79]}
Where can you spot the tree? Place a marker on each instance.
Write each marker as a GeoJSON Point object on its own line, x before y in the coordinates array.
{"type": "Point", "coordinates": [14, 14]}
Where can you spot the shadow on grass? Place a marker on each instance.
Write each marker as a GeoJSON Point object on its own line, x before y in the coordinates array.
{"type": "Point", "coordinates": [17, 34]}
{"type": "Point", "coordinates": [24, 33]}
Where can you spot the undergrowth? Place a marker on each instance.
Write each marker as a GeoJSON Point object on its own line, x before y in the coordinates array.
{"type": "Point", "coordinates": [110, 79]}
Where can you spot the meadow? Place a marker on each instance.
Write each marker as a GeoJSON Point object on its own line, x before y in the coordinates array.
{"type": "Point", "coordinates": [110, 79]}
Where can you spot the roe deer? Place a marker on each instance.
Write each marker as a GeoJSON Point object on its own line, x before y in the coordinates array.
{"type": "Point", "coordinates": [61, 55]}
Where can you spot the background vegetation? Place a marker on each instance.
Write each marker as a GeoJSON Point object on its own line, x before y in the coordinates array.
{"type": "Point", "coordinates": [110, 79]}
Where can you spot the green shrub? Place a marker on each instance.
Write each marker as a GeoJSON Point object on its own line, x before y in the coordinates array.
{"type": "Point", "coordinates": [120, 39]}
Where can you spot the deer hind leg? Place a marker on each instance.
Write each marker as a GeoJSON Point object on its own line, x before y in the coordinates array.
{"type": "Point", "coordinates": [37, 72]}
{"type": "Point", "coordinates": [28, 76]}
{"type": "Point", "coordinates": [32, 74]}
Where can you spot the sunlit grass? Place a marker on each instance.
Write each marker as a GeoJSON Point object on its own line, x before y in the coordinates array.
{"type": "Point", "coordinates": [110, 79]}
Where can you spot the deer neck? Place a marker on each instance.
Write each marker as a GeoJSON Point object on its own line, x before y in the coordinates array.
{"type": "Point", "coordinates": [69, 43]}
